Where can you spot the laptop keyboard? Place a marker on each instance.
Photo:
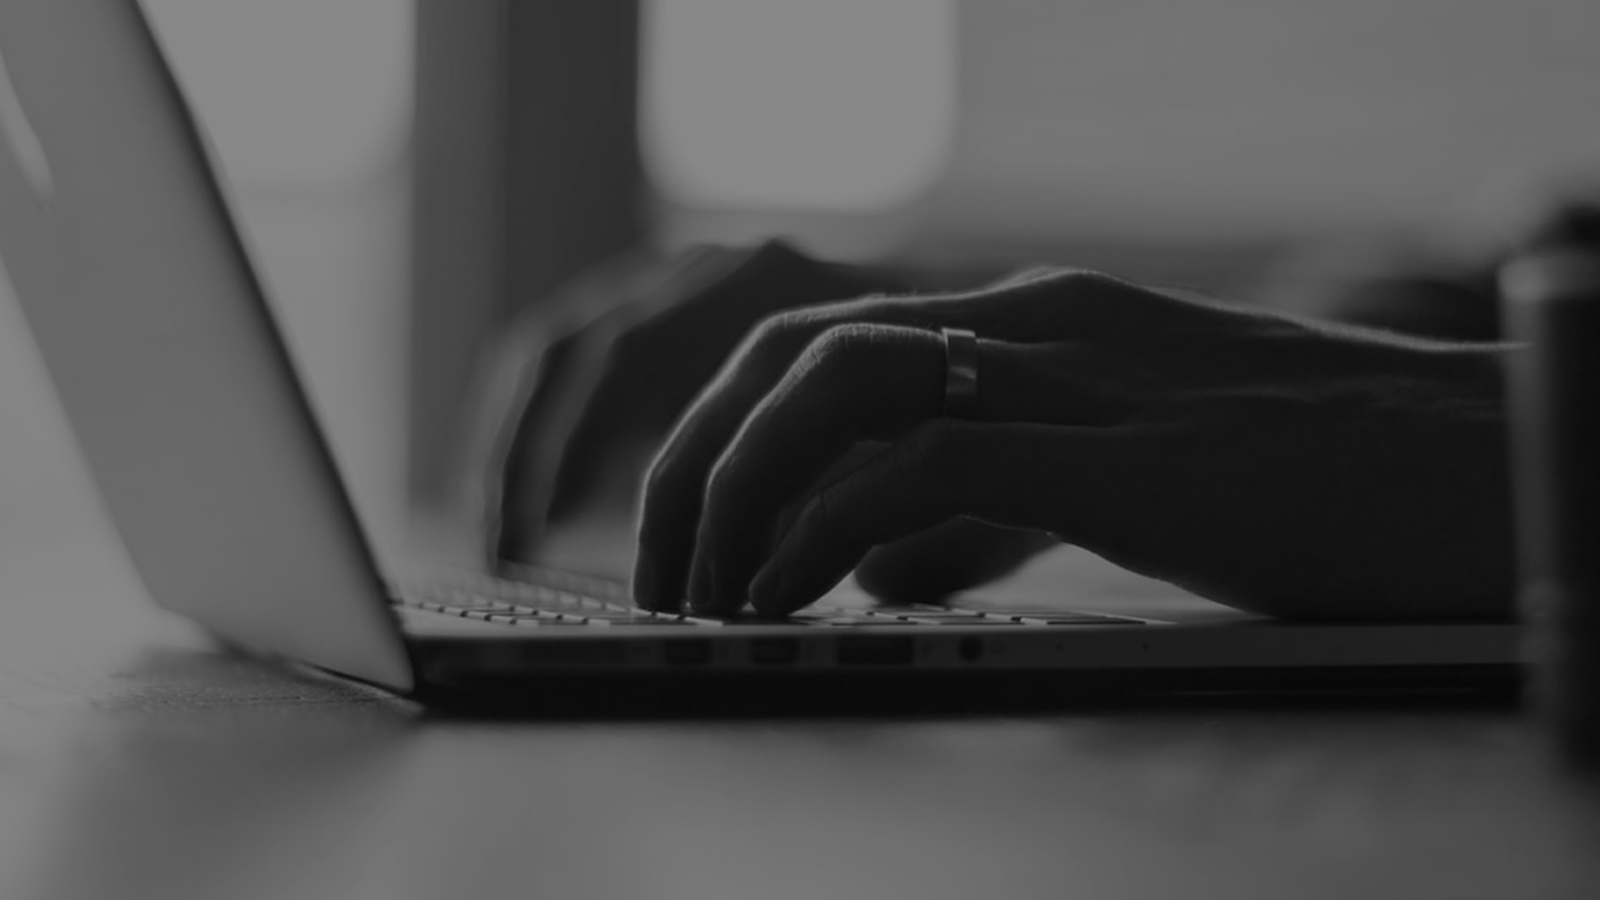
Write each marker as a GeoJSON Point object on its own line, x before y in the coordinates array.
{"type": "Point", "coordinates": [543, 598]}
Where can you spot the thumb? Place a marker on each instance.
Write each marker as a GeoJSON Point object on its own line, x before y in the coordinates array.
{"type": "Point", "coordinates": [946, 559]}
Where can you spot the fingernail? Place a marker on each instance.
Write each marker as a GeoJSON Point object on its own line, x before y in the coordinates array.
{"type": "Point", "coordinates": [767, 590]}
{"type": "Point", "coordinates": [702, 586]}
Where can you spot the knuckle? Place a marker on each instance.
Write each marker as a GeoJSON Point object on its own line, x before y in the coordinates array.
{"type": "Point", "coordinates": [826, 514]}
{"type": "Point", "coordinates": [1095, 299]}
{"type": "Point", "coordinates": [775, 330]}
{"type": "Point", "coordinates": [1029, 274]}
{"type": "Point", "coordinates": [823, 507]}
{"type": "Point", "coordinates": [839, 347]}
{"type": "Point", "coordinates": [1077, 281]}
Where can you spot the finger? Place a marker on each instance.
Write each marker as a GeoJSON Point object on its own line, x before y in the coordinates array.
{"type": "Point", "coordinates": [1034, 311]}
{"type": "Point", "coordinates": [856, 383]}
{"type": "Point", "coordinates": [533, 437]}
{"type": "Point", "coordinates": [605, 414]}
{"type": "Point", "coordinates": [690, 323]}
{"type": "Point", "coordinates": [947, 559]}
{"type": "Point", "coordinates": [544, 429]}
{"type": "Point", "coordinates": [501, 391]}
{"type": "Point", "coordinates": [1045, 478]}
{"type": "Point", "coordinates": [555, 358]}
{"type": "Point", "coordinates": [676, 480]}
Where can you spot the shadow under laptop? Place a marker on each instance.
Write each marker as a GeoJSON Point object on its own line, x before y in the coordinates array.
{"type": "Point", "coordinates": [922, 694]}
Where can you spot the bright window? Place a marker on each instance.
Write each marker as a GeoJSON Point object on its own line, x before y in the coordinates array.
{"type": "Point", "coordinates": [827, 105]}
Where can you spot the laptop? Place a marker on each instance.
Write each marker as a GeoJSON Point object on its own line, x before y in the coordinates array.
{"type": "Point", "coordinates": [162, 347]}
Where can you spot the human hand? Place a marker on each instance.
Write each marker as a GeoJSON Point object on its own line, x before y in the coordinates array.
{"type": "Point", "coordinates": [605, 391]}
{"type": "Point", "coordinates": [1268, 462]}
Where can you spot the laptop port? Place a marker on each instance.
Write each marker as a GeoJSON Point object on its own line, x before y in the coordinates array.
{"type": "Point", "coordinates": [778, 651]}
{"type": "Point", "coordinates": [970, 649]}
{"type": "Point", "coordinates": [695, 652]}
{"type": "Point", "coordinates": [876, 650]}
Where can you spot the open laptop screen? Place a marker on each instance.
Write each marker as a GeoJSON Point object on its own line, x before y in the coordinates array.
{"type": "Point", "coordinates": [160, 344]}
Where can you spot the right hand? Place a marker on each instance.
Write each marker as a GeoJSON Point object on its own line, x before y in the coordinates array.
{"type": "Point", "coordinates": [579, 429]}
{"type": "Point", "coordinates": [1264, 461]}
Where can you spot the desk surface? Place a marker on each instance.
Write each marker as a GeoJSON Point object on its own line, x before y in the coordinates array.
{"type": "Point", "coordinates": [137, 760]}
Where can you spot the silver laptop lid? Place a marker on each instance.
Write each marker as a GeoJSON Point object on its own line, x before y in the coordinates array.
{"type": "Point", "coordinates": [156, 333]}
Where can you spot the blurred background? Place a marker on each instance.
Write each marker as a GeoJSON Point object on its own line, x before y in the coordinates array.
{"type": "Point", "coordinates": [412, 174]}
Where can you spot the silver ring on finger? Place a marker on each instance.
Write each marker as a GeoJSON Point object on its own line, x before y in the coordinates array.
{"type": "Point", "coordinates": [961, 373]}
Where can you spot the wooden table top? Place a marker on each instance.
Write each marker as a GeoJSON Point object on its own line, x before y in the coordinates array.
{"type": "Point", "coordinates": [139, 760]}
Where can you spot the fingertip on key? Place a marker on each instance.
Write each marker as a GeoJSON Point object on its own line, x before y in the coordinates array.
{"type": "Point", "coordinates": [767, 591]}
{"type": "Point", "coordinates": [646, 588]}
{"type": "Point", "coordinates": [702, 594]}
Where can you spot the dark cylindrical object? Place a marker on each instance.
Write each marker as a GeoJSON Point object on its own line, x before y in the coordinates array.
{"type": "Point", "coordinates": [1551, 305]}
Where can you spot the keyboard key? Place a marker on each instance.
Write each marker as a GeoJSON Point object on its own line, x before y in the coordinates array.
{"type": "Point", "coordinates": [537, 621]}
{"type": "Point", "coordinates": [479, 610]}
{"type": "Point", "coordinates": [1078, 619]}
{"type": "Point", "coordinates": [629, 621]}
{"type": "Point", "coordinates": [861, 621]}
{"type": "Point", "coordinates": [969, 622]}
